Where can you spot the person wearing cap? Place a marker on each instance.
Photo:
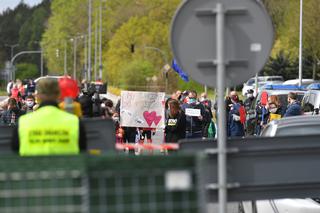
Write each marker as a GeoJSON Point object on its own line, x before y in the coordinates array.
{"type": "Point", "coordinates": [48, 130]}
{"type": "Point", "coordinates": [69, 91]}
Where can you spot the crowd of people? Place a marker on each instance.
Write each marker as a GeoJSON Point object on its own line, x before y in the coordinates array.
{"type": "Point", "coordinates": [186, 115]}
{"type": "Point", "coordinates": [267, 109]}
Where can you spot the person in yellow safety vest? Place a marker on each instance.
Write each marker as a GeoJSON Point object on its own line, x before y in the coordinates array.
{"type": "Point", "coordinates": [49, 130]}
{"type": "Point", "coordinates": [69, 91]}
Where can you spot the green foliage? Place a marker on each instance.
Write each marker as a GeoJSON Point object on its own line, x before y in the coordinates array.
{"type": "Point", "coordinates": [26, 71]}
{"type": "Point", "coordinates": [24, 26]}
{"type": "Point", "coordinates": [142, 33]}
{"type": "Point", "coordinates": [144, 23]}
{"type": "Point", "coordinates": [137, 71]}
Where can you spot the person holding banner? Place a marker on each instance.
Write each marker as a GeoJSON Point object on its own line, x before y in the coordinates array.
{"type": "Point", "coordinates": [175, 128]}
{"type": "Point", "coordinates": [196, 116]}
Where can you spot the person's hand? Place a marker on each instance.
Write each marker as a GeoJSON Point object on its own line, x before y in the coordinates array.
{"type": "Point", "coordinates": [200, 118]}
{"type": "Point", "coordinates": [236, 117]}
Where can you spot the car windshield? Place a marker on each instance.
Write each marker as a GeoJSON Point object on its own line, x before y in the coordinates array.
{"type": "Point", "coordinates": [283, 98]}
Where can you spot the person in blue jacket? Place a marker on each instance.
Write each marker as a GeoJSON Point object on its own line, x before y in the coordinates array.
{"type": "Point", "coordinates": [235, 126]}
{"type": "Point", "coordinates": [294, 107]}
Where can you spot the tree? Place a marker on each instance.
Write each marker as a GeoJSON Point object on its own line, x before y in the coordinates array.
{"type": "Point", "coordinates": [137, 71]}
{"type": "Point", "coordinates": [140, 32]}
{"type": "Point", "coordinates": [26, 71]}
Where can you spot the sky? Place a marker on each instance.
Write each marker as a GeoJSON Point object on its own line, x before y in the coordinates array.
{"type": "Point", "coordinates": [4, 4]}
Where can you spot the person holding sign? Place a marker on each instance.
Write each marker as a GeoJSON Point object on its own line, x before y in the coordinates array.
{"type": "Point", "coordinates": [49, 130]}
{"type": "Point", "coordinates": [196, 116]}
{"type": "Point", "coordinates": [175, 123]}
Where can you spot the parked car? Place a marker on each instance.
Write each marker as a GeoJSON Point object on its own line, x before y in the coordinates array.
{"type": "Point", "coordinates": [50, 77]}
{"type": "Point", "coordinates": [282, 92]}
{"type": "Point", "coordinates": [262, 80]}
{"type": "Point", "coordinates": [296, 125]}
{"type": "Point", "coordinates": [311, 102]}
{"type": "Point", "coordinates": [305, 82]}
{"type": "Point", "coordinates": [307, 205]}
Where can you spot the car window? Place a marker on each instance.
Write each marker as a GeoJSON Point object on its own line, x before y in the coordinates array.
{"type": "Point", "coordinates": [306, 105]}
{"type": "Point", "coordinates": [298, 130]}
{"type": "Point", "coordinates": [250, 82]}
{"type": "Point", "coordinates": [275, 79]}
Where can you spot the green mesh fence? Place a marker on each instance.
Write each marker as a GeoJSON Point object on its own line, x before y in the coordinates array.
{"type": "Point", "coordinates": [98, 184]}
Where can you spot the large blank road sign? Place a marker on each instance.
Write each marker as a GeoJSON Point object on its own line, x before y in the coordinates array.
{"type": "Point", "coordinates": [248, 39]}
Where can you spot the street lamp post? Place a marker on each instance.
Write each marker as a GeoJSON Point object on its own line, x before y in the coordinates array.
{"type": "Point", "coordinates": [65, 58]}
{"type": "Point", "coordinates": [11, 47]}
{"type": "Point", "coordinates": [300, 44]}
{"type": "Point", "coordinates": [75, 44]}
{"type": "Point", "coordinates": [12, 76]}
{"type": "Point", "coordinates": [89, 39]}
{"type": "Point", "coordinates": [100, 40]}
{"type": "Point", "coordinates": [95, 48]}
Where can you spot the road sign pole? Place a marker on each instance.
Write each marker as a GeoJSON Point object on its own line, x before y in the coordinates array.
{"type": "Point", "coordinates": [222, 159]}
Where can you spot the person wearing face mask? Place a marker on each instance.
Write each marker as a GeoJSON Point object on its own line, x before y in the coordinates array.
{"type": "Point", "coordinates": [272, 110]}
{"type": "Point", "coordinates": [107, 108]}
{"type": "Point", "coordinates": [12, 114]}
{"type": "Point", "coordinates": [250, 111]}
{"type": "Point", "coordinates": [236, 119]}
{"type": "Point", "coordinates": [196, 116]}
{"type": "Point", "coordinates": [29, 104]}
{"type": "Point", "coordinates": [207, 105]}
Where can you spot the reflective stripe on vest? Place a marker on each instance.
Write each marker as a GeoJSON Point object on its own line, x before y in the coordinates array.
{"type": "Point", "coordinates": [48, 131]}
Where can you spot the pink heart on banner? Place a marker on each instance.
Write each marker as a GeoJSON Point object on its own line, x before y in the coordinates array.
{"type": "Point", "coordinates": [157, 119]}
{"type": "Point", "coordinates": [151, 117]}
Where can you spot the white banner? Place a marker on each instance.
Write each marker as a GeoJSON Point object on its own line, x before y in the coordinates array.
{"type": "Point", "coordinates": [142, 109]}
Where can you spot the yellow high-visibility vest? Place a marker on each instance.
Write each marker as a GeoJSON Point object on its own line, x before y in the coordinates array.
{"type": "Point", "coordinates": [48, 131]}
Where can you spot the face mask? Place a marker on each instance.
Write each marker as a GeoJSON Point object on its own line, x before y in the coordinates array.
{"type": "Point", "coordinates": [103, 105]}
{"type": "Point", "coordinates": [273, 110]}
{"type": "Point", "coordinates": [202, 99]}
{"type": "Point", "coordinates": [116, 119]}
{"type": "Point", "coordinates": [30, 103]}
{"type": "Point", "coordinates": [192, 100]}
{"type": "Point", "coordinates": [250, 95]}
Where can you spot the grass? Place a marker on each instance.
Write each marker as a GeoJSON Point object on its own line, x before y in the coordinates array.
{"type": "Point", "coordinates": [3, 93]}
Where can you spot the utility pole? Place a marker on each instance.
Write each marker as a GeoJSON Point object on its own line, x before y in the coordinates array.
{"type": "Point", "coordinates": [65, 58]}
{"type": "Point", "coordinates": [95, 47]}
{"type": "Point", "coordinates": [75, 58]}
{"type": "Point", "coordinates": [89, 39]}
{"type": "Point", "coordinates": [100, 40]}
{"type": "Point", "coordinates": [300, 43]}
{"type": "Point", "coordinates": [85, 58]}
